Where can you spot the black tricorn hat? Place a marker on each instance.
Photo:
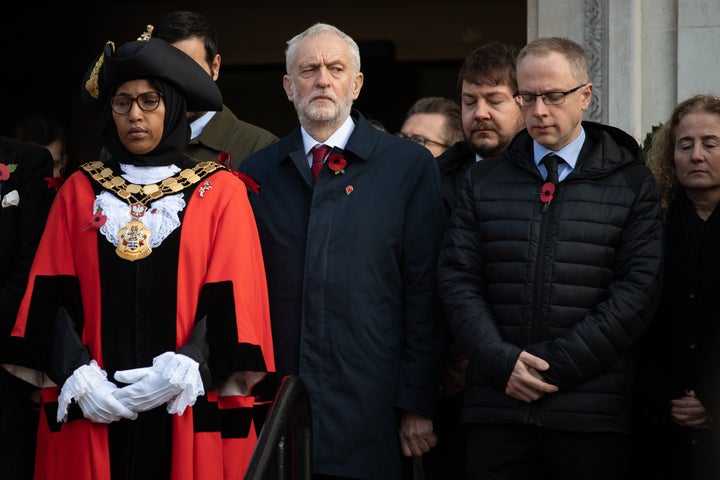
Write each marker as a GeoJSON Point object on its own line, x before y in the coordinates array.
{"type": "Point", "coordinates": [150, 57]}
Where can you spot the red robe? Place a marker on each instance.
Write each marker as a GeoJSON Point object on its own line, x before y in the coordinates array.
{"type": "Point", "coordinates": [84, 302]}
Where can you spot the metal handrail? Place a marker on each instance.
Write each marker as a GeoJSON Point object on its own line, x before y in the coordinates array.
{"type": "Point", "coordinates": [284, 446]}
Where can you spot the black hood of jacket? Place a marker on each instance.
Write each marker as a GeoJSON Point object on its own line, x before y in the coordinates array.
{"type": "Point", "coordinates": [615, 149]}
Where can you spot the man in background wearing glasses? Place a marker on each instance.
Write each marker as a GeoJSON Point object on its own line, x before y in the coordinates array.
{"type": "Point", "coordinates": [434, 123]}
{"type": "Point", "coordinates": [549, 273]}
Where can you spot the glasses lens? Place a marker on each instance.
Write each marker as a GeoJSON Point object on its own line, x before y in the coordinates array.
{"type": "Point", "coordinates": [121, 104]}
{"type": "Point", "coordinates": [527, 99]}
{"type": "Point", "coordinates": [149, 101]}
{"type": "Point", "coordinates": [553, 98]}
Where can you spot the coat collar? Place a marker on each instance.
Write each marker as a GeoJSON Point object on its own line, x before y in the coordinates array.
{"type": "Point", "coordinates": [216, 132]}
{"type": "Point", "coordinates": [360, 145]}
{"type": "Point", "coordinates": [456, 158]}
{"type": "Point", "coordinates": [605, 150]}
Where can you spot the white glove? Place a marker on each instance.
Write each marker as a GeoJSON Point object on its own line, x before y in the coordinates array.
{"type": "Point", "coordinates": [173, 379]}
{"type": "Point", "coordinates": [89, 386]}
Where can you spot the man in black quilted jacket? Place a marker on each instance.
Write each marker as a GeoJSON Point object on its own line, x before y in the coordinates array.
{"type": "Point", "coordinates": [490, 119]}
{"type": "Point", "coordinates": [549, 272]}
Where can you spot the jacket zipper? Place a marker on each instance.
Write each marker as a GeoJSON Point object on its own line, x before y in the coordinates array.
{"type": "Point", "coordinates": [539, 267]}
{"type": "Point", "coordinates": [538, 290]}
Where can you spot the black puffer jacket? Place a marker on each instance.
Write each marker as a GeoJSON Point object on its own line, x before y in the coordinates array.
{"type": "Point", "coordinates": [454, 164]}
{"type": "Point", "coordinates": [576, 285]}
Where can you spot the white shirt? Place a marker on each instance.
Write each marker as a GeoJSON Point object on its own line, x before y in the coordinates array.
{"type": "Point", "coordinates": [198, 125]}
{"type": "Point", "coordinates": [338, 139]}
{"type": "Point", "coordinates": [569, 153]}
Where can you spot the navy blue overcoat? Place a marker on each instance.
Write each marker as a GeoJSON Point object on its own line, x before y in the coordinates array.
{"type": "Point", "coordinates": [350, 262]}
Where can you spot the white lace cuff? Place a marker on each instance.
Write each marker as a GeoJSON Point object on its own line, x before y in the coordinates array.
{"type": "Point", "coordinates": [84, 379]}
{"type": "Point", "coordinates": [183, 372]}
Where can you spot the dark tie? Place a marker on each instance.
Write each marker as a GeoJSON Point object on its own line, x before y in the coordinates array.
{"type": "Point", "coordinates": [318, 152]}
{"type": "Point", "coordinates": [551, 164]}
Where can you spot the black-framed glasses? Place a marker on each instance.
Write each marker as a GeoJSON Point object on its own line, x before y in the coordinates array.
{"type": "Point", "coordinates": [548, 98]}
{"type": "Point", "coordinates": [421, 140]}
{"type": "Point", "coordinates": [148, 102]}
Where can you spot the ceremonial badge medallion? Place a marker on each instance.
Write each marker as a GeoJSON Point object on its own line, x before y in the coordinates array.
{"type": "Point", "coordinates": [134, 241]}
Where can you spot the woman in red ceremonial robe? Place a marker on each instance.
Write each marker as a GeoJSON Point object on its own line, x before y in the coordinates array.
{"type": "Point", "coordinates": [147, 303]}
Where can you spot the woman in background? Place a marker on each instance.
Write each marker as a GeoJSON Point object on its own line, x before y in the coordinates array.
{"type": "Point", "coordinates": [679, 356]}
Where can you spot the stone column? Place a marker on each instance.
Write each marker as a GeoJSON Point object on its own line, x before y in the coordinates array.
{"type": "Point", "coordinates": [645, 55]}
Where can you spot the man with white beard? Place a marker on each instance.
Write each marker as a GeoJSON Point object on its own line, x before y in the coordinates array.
{"type": "Point", "coordinates": [350, 247]}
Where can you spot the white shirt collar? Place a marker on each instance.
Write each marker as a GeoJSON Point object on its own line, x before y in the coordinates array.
{"type": "Point", "coordinates": [569, 152]}
{"type": "Point", "coordinates": [198, 125]}
{"type": "Point", "coordinates": [338, 139]}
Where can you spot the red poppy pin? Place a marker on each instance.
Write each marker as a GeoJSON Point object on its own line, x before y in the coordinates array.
{"type": "Point", "coordinates": [6, 170]}
{"type": "Point", "coordinates": [98, 220]}
{"type": "Point", "coordinates": [337, 163]}
{"type": "Point", "coordinates": [547, 192]}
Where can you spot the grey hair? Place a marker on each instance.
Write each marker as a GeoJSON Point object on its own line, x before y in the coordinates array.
{"type": "Point", "coordinates": [320, 28]}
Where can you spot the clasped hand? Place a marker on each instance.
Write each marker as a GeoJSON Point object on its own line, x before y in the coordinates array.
{"type": "Point", "coordinates": [526, 383]}
{"type": "Point", "coordinates": [101, 406]}
{"type": "Point", "coordinates": [416, 434]}
{"type": "Point", "coordinates": [147, 389]}
{"type": "Point", "coordinates": [173, 379]}
{"type": "Point", "coordinates": [688, 411]}
{"type": "Point", "coordinates": [89, 386]}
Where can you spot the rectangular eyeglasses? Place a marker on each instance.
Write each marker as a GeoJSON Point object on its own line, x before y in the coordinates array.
{"type": "Point", "coordinates": [548, 98]}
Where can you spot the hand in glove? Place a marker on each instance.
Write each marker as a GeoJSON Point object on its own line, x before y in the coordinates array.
{"type": "Point", "coordinates": [173, 378]}
{"type": "Point", "coordinates": [147, 390]}
{"type": "Point", "coordinates": [101, 406]}
{"type": "Point", "coordinates": [89, 386]}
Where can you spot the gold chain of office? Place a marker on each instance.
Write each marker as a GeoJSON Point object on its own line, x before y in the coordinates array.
{"type": "Point", "coordinates": [134, 237]}
{"type": "Point", "coordinates": [144, 194]}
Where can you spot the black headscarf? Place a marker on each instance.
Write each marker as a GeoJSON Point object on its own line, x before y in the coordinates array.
{"type": "Point", "coordinates": [175, 136]}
